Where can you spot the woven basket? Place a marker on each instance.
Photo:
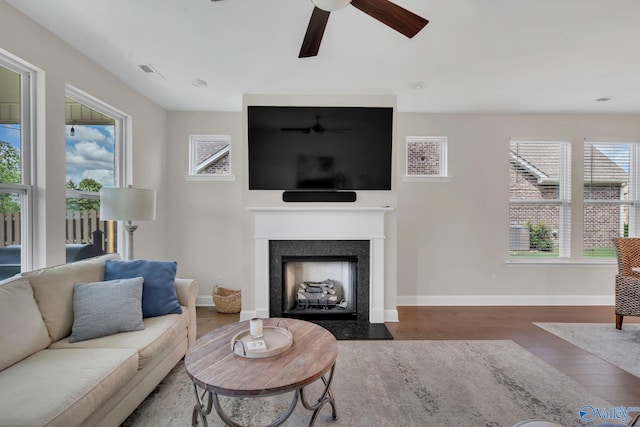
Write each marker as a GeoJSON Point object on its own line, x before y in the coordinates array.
{"type": "Point", "coordinates": [226, 300]}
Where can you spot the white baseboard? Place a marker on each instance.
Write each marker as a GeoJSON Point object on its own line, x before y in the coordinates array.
{"type": "Point", "coordinates": [207, 301]}
{"type": "Point", "coordinates": [481, 300]}
{"type": "Point", "coordinates": [204, 301]}
{"type": "Point", "coordinates": [391, 316]}
{"type": "Point", "coordinates": [247, 314]}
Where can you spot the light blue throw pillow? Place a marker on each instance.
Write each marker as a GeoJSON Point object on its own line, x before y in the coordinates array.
{"type": "Point", "coordinates": [158, 290]}
{"type": "Point", "coordinates": [106, 308]}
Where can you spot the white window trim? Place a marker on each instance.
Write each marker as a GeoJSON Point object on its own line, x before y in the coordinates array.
{"type": "Point", "coordinates": [565, 200]}
{"type": "Point", "coordinates": [193, 176]}
{"type": "Point", "coordinates": [27, 156]}
{"type": "Point", "coordinates": [123, 170]}
{"type": "Point", "coordinates": [209, 177]}
{"type": "Point", "coordinates": [554, 262]}
{"type": "Point", "coordinates": [427, 178]}
{"type": "Point", "coordinates": [634, 191]}
{"type": "Point", "coordinates": [442, 176]}
{"type": "Point", "coordinates": [633, 201]}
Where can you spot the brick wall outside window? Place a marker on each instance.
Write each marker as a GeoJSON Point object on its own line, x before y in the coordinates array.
{"type": "Point", "coordinates": [203, 148]}
{"type": "Point", "coordinates": [601, 222]}
{"type": "Point", "coordinates": [423, 158]}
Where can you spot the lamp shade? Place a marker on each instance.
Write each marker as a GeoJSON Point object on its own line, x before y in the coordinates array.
{"type": "Point", "coordinates": [127, 204]}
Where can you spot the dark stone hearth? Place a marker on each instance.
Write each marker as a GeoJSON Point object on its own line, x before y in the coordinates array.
{"type": "Point", "coordinates": [354, 330]}
{"type": "Point", "coordinates": [318, 249]}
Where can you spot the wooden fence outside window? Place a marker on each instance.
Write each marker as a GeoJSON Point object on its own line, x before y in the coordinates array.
{"type": "Point", "coordinates": [80, 226]}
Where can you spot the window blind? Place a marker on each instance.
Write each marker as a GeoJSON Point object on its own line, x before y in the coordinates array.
{"type": "Point", "coordinates": [609, 196]}
{"type": "Point", "coordinates": [539, 199]}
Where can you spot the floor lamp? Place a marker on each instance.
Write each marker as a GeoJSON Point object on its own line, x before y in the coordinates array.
{"type": "Point", "coordinates": [127, 204]}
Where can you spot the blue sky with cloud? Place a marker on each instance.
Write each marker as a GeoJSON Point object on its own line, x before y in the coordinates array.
{"type": "Point", "coordinates": [89, 153]}
{"type": "Point", "coordinates": [10, 134]}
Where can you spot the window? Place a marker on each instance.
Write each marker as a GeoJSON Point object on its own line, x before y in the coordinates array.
{"type": "Point", "coordinates": [93, 145]}
{"type": "Point", "coordinates": [610, 196]}
{"type": "Point", "coordinates": [539, 199]}
{"type": "Point", "coordinates": [210, 157]}
{"type": "Point", "coordinates": [426, 157]}
{"type": "Point", "coordinates": [16, 186]}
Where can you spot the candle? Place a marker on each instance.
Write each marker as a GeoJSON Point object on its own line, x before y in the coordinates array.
{"type": "Point", "coordinates": [255, 327]}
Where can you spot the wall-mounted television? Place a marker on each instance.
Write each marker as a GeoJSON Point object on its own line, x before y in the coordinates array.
{"type": "Point", "coordinates": [319, 148]}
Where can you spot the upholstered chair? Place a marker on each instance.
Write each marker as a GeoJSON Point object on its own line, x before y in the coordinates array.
{"type": "Point", "coordinates": [628, 278]}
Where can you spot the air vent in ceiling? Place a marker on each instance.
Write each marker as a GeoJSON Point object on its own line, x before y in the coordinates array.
{"type": "Point", "coordinates": [151, 72]}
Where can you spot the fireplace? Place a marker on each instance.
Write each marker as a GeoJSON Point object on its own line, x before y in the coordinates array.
{"type": "Point", "coordinates": [303, 294]}
{"type": "Point", "coordinates": [319, 279]}
{"type": "Point", "coordinates": [300, 225]}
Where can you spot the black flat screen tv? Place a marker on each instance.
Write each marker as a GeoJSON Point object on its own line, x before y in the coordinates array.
{"type": "Point", "coordinates": [319, 148]}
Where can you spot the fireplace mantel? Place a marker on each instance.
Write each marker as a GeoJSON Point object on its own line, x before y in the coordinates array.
{"type": "Point", "coordinates": [319, 223]}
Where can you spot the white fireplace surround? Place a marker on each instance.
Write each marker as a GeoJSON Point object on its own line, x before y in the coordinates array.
{"type": "Point", "coordinates": [319, 223]}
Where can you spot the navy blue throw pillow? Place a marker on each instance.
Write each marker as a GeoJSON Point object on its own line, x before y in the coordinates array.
{"type": "Point", "coordinates": [158, 290]}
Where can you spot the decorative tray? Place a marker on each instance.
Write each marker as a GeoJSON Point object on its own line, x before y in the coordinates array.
{"type": "Point", "coordinates": [277, 341]}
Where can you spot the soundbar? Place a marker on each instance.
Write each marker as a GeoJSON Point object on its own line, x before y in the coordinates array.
{"type": "Point", "coordinates": [319, 196]}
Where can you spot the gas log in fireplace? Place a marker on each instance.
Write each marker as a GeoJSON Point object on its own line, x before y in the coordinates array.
{"type": "Point", "coordinates": [319, 279]}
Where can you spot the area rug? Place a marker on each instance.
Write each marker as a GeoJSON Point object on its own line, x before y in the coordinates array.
{"type": "Point", "coordinates": [618, 347]}
{"type": "Point", "coordinates": [407, 383]}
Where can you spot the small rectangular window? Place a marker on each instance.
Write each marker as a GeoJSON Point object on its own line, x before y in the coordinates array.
{"type": "Point", "coordinates": [426, 156]}
{"type": "Point", "coordinates": [209, 155]}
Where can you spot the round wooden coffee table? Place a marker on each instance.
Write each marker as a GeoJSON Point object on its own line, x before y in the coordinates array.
{"type": "Point", "coordinates": [216, 370]}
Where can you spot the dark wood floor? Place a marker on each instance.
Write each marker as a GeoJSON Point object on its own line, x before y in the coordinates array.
{"type": "Point", "coordinates": [506, 323]}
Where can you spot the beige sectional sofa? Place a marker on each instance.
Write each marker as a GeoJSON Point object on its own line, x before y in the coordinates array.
{"type": "Point", "coordinates": [46, 380]}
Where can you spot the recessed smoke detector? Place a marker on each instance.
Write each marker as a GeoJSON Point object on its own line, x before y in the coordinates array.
{"type": "Point", "coordinates": [416, 85]}
{"type": "Point", "coordinates": [150, 71]}
{"type": "Point", "coordinates": [199, 83]}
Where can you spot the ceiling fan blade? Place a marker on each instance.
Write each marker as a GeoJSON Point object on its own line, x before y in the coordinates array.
{"type": "Point", "coordinates": [313, 36]}
{"type": "Point", "coordinates": [396, 17]}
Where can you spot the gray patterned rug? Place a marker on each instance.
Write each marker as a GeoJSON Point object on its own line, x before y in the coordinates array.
{"type": "Point", "coordinates": [619, 348]}
{"type": "Point", "coordinates": [407, 383]}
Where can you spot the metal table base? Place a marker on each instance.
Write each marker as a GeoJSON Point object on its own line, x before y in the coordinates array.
{"type": "Point", "coordinates": [207, 400]}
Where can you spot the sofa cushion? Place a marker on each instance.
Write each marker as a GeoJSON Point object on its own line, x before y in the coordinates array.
{"type": "Point", "coordinates": [53, 291]}
{"type": "Point", "coordinates": [63, 387]}
{"type": "Point", "coordinates": [159, 288]}
{"type": "Point", "coordinates": [158, 334]}
{"type": "Point", "coordinates": [106, 308]}
{"type": "Point", "coordinates": [22, 331]}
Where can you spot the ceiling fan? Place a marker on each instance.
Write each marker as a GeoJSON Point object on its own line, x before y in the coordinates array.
{"type": "Point", "coordinates": [390, 14]}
